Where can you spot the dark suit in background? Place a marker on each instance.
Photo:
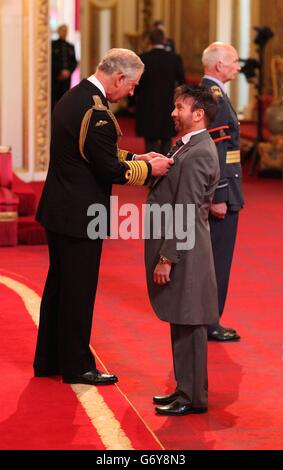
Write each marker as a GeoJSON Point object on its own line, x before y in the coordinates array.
{"type": "Point", "coordinates": [154, 95]}
{"type": "Point", "coordinates": [63, 57]}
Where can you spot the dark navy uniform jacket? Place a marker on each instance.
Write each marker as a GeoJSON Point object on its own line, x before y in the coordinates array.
{"type": "Point", "coordinates": [226, 134]}
{"type": "Point", "coordinates": [63, 57]}
{"type": "Point", "coordinates": [84, 161]}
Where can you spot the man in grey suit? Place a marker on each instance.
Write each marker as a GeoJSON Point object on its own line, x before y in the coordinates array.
{"type": "Point", "coordinates": [179, 263]}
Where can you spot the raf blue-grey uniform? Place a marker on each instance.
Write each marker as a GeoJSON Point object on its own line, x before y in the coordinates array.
{"type": "Point", "coordinates": [226, 134]}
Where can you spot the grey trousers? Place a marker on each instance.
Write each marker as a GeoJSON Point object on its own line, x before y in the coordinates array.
{"type": "Point", "coordinates": [189, 348]}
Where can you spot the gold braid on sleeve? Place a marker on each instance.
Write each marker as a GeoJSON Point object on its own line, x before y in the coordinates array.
{"type": "Point", "coordinates": [122, 155]}
{"type": "Point", "coordinates": [137, 173]}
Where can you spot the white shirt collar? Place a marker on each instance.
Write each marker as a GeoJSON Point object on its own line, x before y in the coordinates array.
{"type": "Point", "coordinates": [186, 138]}
{"type": "Point", "coordinates": [97, 83]}
{"type": "Point", "coordinates": [221, 84]}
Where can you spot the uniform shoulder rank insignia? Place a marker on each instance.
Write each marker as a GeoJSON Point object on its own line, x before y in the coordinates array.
{"type": "Point", "coordinates": [101, 123]}
{"type": "Point", "coordinates": [216, 90]}
{"type": "Point", "coordinates": [98, 105]}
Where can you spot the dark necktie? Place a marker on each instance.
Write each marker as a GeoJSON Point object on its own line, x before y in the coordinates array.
{"type": "Point", "coordinates": [175, 147]}
{"type": "Point", "coordinates": [178, 144]}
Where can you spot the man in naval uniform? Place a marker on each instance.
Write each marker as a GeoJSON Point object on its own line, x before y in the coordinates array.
{"type": "Point", "coordinates": [63, 62]}
{"type": "Point", "coordinates": [84, 163]}
{"type": "Point", "coordinates": [221, 64]}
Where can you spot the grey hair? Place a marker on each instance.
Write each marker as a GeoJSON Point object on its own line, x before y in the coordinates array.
{"type": "Point", "coordinates": [121, 60]}
{"type": "Point", "coordinates": [214, 52]}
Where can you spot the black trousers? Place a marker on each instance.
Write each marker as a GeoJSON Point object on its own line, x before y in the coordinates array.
{"type": "Point", "coordinates": [158, 145]}
{"type": "Point", "coordinates": [223, 236]}
{"type": "Point", "coordinates": [58, 89]}
{"type": "Point", "coordinates": [189, 348]}
{"type": "Point", "coordinates": [67, 305]}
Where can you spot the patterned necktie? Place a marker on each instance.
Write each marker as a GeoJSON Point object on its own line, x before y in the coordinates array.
{"type": "Point", "coordinates": [175, 147]}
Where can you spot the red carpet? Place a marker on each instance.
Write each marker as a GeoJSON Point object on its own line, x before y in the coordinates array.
{"type": "Point", "coordinates": [35, 413]}
{"type": "Point", "coordinates": [44, 413]}
{"type": "Point", "coordinates": [245, 378]}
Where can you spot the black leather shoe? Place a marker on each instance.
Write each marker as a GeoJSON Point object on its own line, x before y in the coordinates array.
{"type": "Point", "coordinates": [46, 373]}
{"type": "Point", "coordinates": [224, 328]}
{"type": "Point", "coordinates": [92, 377]}
{"type": "Point", "coordinates": [165, 399]}
{"type": "Point", "coordinates": [219, 334]}
{"type": "Point", "coordinates": [179, 409]}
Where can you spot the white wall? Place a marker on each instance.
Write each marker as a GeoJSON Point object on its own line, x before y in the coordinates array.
{"type": "Point", "coordinates": [11, 79]}
{"type": "Point", "coordinates": [224, 25]}
{"type": "Point", "coordinates": [244, 53]}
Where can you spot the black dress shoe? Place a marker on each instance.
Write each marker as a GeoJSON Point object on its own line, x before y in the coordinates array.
{"type": "Point", "coordinates": [224, 328]}
{"type": "Point", "coordinates": [219, 334]}
{"type": "Point", "coordinates": [179, 409]}
{"type": "Point", "coordinates": [46, 373]}
{"type": "Point", "coordinates": [92, 377]}
{"type": "Point", "coordinates": [165, 399]}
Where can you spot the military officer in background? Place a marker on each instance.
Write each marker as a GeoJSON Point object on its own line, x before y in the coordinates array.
{"type": "Point", "coordinates": [221, 64]}
{"type": "Point", "coordinates": [63, 64]}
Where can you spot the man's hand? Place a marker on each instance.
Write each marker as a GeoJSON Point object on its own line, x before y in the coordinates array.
{"type": "Point", "coordinates": [146, 157]}
{"type": "Point", "coordinates": [65, 73]}
{"type": "Point", "coordinates": [160, 165]}
{"type": "Point", "coordinates": [219, 210]}
{"type": "Point", "coordinates": [161, 273]}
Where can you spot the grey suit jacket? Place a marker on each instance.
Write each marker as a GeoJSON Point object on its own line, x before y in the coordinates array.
{"type": "Point", "coordinates": [190, 298]}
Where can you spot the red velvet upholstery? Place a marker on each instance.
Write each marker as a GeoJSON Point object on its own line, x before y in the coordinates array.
{"type": "Point", "coordinates": [8, 201]}
{"type": "Point", "coordinates": [6, 173]}
{"type": "Point", "coordinates": [27, 204]}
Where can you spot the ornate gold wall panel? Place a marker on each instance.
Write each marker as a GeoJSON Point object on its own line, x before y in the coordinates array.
{"type": "Point", "coordinates": [42, 40]}
{"type": "Point", "coordinates": [104, 3]}
{"type": "Point", "coordinates": [147, 14]}
{"type": "Point", "coordinates": [195, 34]}
{"type": "Point", "coordinates": [271, 14]}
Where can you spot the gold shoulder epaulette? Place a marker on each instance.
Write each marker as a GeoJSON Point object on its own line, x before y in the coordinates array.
{"type": "Point", "coordinates": [98, 106]}
{"type": "Point", "coordinates": [216, 90]}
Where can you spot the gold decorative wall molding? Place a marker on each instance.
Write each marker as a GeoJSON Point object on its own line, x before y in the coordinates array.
{"type": "Point", "coordinates": [194, 35]}
{"type": "Point", "coordinates": [41, 84]}
{"type": "Point", "coordinates": [104, 3]}
{"type": "Point", "coordinates": [147, 14]}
